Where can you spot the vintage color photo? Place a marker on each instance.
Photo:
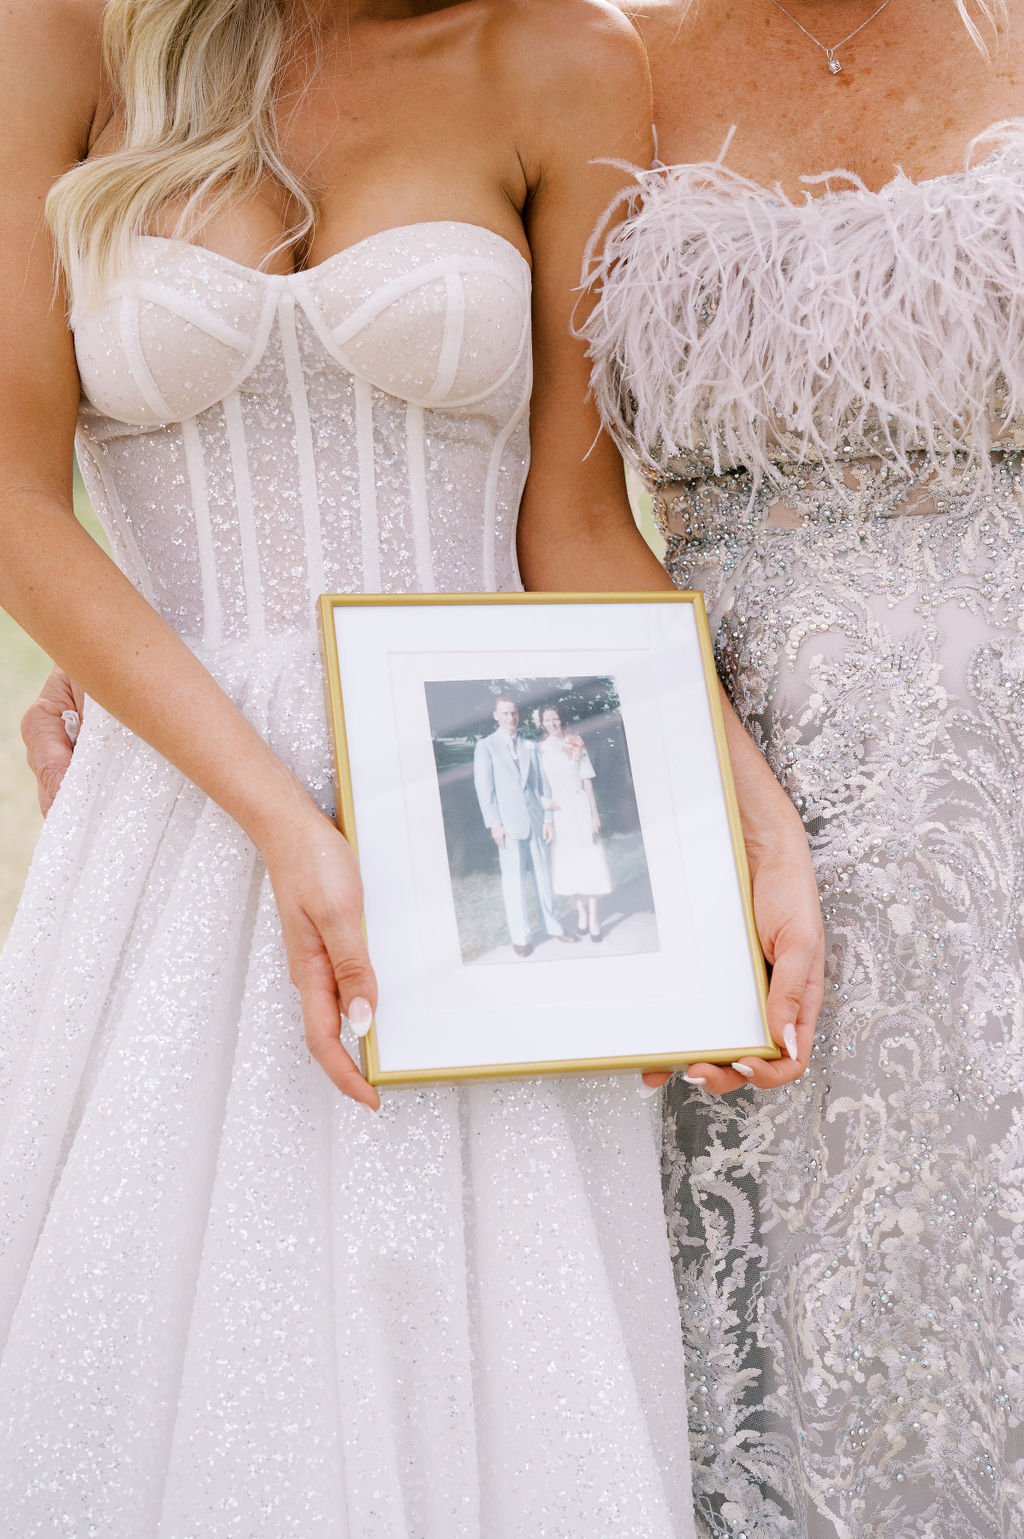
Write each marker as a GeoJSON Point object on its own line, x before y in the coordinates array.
{"type": "Point", "coordinates": [537, 787]}
{"type": "Point", "coordinates": [545, 849]}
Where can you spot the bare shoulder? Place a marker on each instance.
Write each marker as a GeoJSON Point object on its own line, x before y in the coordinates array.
{"type": "Point", "coordinates": [568, 24]}
{"type": "Point", "coordinates": [569, 43]}
{"type": "Point", "coordinates": [575, 72]}
{"type": "Point", "coordinates": [50, 54]}
{"type": "Point", "coordinates": [54, 29]}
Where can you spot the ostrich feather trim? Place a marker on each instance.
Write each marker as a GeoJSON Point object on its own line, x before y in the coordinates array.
{"type": "Point", "coordinates": [854, 322]}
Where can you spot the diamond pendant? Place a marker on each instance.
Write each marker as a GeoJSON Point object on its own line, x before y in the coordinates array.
{"type": "Point", "coordinates": [834, 66]}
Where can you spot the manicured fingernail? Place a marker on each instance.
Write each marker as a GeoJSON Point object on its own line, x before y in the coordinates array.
{"type": "Point", "coordinates": [646, 1091]}
{"type": "Point", "coordinates": [694, 1079]}
{"type": "Point", "coordinates": [360, 1016]}
{"type": "Point", "coordinates": [789, 1039]}
{"type": "Point", "coordinates": [373, 1110]}
{"type": "Point", "coordinates": [744, 1069]}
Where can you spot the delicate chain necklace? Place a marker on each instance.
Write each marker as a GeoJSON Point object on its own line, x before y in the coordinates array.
{"type": "Point", "coordinates": [830, 53]}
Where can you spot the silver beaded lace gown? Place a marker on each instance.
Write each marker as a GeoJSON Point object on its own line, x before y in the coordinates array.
{"type": "Point", "coordinates": [827, 400]}
{"type": "Point", "coordinates": [234, 1305]}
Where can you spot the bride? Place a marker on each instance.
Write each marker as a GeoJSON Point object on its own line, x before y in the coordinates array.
{"type": "Point", "coordinates": [822, 380]}
{"type": "Point", "coordinates": [579, 868]}
{"type": "Point", "coordinates": [297, 243]}
{"type": "Point", "coordinates": [297, 246]}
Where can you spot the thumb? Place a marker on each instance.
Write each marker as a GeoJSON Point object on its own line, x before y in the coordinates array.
{"type": "Point", "coordinates": [334, 979]}
{"type": "Point", "coordinates": [50, 773]}
{"type": "Point", "coordinates": [355, 980]}
{"type": "Point", "coordinates": [785, 995]}
{"type": "Point", "coordinates": [786, 990]}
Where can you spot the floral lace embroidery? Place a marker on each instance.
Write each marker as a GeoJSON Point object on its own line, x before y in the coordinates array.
{"type": "Point", "coordinates": [850, 1251]}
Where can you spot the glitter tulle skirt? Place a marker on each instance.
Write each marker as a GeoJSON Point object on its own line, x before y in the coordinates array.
{"type": "Point", "coordinates": [235, 1303]}
{"type": "Point", "coordinates": [850, 1251]}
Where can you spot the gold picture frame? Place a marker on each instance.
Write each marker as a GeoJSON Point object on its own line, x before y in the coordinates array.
{"type": "Point", "coordinates": [380, 652]}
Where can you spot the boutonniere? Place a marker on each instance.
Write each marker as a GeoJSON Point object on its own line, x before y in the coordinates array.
{"type": "Point", "coordinates": [574, 747]}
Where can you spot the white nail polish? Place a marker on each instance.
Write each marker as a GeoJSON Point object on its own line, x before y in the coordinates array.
{"type": "Point", "coordinates": [360, 1016]}
{"type": "Point", "coordinates": [744, 1069]}
{"type": "Point", "coordinates": [694, 1079]}
{"type": "Point", "coordinates": [789, 1039]}
{"type": "Point", "coordinates": [645, 1092]}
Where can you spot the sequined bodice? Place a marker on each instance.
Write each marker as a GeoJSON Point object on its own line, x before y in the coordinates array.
{"type": "Point", "coordinates": [231, 1303]}
{"type": "Point", "coordinates": [251, 440]}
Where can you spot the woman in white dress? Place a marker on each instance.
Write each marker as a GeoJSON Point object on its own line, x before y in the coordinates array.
{"type": "Point", "coordinates": [823, 381]}
{"type": "Point", "coordinates": [232, 1300]}
{"type": "Point", "coordinates": [579, 868]}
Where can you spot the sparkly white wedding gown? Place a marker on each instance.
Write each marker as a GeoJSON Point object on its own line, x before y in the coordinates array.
{"type": "Point", "coordinates": [233, 1303]}
{"type": "Point", "coordinates": [828, 402]}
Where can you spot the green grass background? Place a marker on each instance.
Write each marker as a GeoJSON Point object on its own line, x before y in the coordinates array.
{"type": "Point", "coordinates": [23, 667]}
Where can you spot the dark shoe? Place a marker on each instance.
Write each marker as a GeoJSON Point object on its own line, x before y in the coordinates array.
{"type": "Point", "coordinates": [521, 951]}
{"type": "Point", "coordinates": [582, 929]}
{"type": "Point", "coordinates": [569, 940]}
{"type": "Point", "coordinates": [597, 936]}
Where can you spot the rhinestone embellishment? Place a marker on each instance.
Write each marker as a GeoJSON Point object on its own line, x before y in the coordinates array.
{"type": "Point", "coordinates": [834, 65]}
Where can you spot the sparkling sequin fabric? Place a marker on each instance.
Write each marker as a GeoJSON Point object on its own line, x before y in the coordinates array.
{"type": "Point", "coordinates": [234, 1305]}
{"type": "Point", "coordinates": [850, 1251]}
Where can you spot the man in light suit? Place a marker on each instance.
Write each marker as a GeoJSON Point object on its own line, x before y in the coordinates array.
{"type": "Point", "coordinates": [509, 784]}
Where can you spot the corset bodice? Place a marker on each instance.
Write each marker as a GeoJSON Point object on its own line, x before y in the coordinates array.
{"type": "Point", "coordinates": [251, 440]}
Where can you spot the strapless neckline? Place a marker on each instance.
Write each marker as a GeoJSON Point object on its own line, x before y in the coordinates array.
{"type": "Point", "coordinates": [1002, 133]}
{"type": "Point", "coordinates": [337, 258]}
{"type": "Point", "coordinates": [259, 438]}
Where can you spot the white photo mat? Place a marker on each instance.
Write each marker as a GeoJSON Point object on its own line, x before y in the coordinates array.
{"type": "Point", "coordinates": [698, 995]}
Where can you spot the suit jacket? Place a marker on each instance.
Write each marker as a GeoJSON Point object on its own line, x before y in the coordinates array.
{"type": "Point", "coordinates": [507, 794]}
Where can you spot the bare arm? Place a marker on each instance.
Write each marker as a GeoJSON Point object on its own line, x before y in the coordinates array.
{"type": "Point", "coordinates": [58, 584]}
{"type": "Point", "coordinates": [577, 532]}
{"type": "Point", "coordinates": [576, 529]}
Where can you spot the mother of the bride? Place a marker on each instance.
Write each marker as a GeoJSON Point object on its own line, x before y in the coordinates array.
{"type": "Point", "coordinates": [824, 382]}
{"type": "Point", "coordinates": [306, 244]}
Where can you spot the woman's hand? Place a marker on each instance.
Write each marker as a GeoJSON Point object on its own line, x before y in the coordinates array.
{"type": "Point", "coordinates": [788, 917]}
{"type": "Point", "coordinates": [316, 883]}
{"type": "Point", "coordinates": [789, 928]}
{"type": "Point", "coordinates": [44, 732]}
{"type": "Point", "coordinates": [319, 897]}
{"type": "Point", "coordinates": [576, 532]}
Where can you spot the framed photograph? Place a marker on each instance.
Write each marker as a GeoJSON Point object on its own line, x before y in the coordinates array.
{"type": "Point", "coordinates": [539, 792]}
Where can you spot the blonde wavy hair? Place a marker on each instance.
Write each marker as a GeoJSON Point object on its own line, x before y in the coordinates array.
{"type": "Point", "coordinates": [197, 82]}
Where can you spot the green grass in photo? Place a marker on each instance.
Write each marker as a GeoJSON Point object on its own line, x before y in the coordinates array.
{"type": "Point", "coordinates": [480, 914]}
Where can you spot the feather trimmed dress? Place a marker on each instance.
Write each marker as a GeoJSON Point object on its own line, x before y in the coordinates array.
{"type": "Point", "coordinates": [827, 401]}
